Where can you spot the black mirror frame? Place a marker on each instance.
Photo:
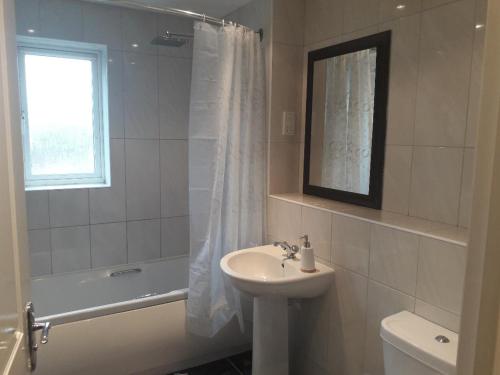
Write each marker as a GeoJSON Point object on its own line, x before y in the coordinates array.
{"type": "Point", "coordinates": [381, 41]}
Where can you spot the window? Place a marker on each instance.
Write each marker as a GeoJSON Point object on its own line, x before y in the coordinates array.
{"type": "Point", "coordinates": [63, 90]}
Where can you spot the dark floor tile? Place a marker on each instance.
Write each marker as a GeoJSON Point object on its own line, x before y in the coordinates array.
{"type": "Point", "coordinates": [221, 367]}
{"type": "Point", "coordinates": [243, 362]}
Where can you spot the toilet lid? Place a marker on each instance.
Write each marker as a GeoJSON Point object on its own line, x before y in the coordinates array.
{"type": "Point", "coordinates": [417, 337]}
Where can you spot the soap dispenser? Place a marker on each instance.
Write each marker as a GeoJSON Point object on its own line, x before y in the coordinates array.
{"type": "Point", "coordinates": [307, 263]}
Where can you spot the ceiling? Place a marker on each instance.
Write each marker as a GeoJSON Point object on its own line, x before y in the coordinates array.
{"type": "Point", "coordinates": [215, 8]}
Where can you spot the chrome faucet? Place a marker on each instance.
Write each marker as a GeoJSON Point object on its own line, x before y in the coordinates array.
{"type": "Point", "coordinates": [291, 250]}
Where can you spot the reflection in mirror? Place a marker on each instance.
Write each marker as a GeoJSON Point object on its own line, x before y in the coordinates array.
{"type": "Point", "coordinates": [342, 121]}
{"type": "Point", "coordinates": [347, 89]}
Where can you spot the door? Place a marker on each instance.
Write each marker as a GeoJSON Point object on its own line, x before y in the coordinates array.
{"type": "Point", "coordinates": [14, 265]}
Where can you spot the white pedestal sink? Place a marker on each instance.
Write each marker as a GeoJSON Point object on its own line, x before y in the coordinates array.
{"type": "Point", "coordinates": [262, 273]}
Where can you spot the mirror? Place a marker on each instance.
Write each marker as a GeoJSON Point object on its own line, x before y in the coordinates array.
{"type": "Point", "coordinates": [347, 89]}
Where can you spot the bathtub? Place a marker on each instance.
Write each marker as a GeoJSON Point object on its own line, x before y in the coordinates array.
{"type": "Point", "coordinates": [124, 320]}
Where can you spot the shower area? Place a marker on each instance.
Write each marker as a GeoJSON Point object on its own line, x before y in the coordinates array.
{"type": "Point", "coordinates": [110, 265]}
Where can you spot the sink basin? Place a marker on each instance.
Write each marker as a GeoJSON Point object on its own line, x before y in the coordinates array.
{"type": "Point", "coordinates": [261, 271]}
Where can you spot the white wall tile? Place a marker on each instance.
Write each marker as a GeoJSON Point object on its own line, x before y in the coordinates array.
{"type": "Point", "coordinates": [144, 238]}
{"type": "Point", "coordinates": [70, 249]}
{"type": "Point", "coordinates": [324, 20]}
{"type": "Point", "coordinates": [441, 273]}
{"type": "Point", "coordinates": [108, 244]}
{"type": "Point", "coordinates": [475, 78]}
{"type": "Point", "coordinates": [108, 204]}
{"type": "Point", "coordinates": [382, 302]}
{"type": "Point", "coordinates": [447, 35]}
{"type": "Point", "coordinates": [288, 21]}
{"type": "Point", "coordinates": [435, 314]}
{"type": "Point", "coordinates": [40, 254]}
{"type": "Point", "coordinates": [390, 9]}
{"type": "Point", "coordinates": [397, 177]}
{"type": "Point", "coordinates": [394, 258]}
{"type": "Point", "coordinates": [284, 167]}
{"type": "Point", "coordinates": [466, 190]}
{"type": "Point", "coordinates": [69, 208]}
{"type": "Point", "coordinates": [61, 19]}
{"type": "Point", "coordinates": [287, 93]}
{"type": "Point", "coordinates": [360, 33]}
{"type": "Point", "coordinates": [37, 205]}
{"type": "Point", "coordinates": [428, 4]}
{"type": "Point", "coordinates": [140, 96]}
{"type": "Point", "coordinates": [318, 225]}
{"type": "Point", "coordinates": [403, 79]}
{"type": "Point", "coordinates": [359, 14]}
{"type": "Point", "coordinates": [102, 24]}
{"type": "Point", "coordinates": [27, 16]}
{"type": "Point", "coordinates": [351, 243]}
{"type": "Point", "coordinates": [115, 94]}
{"type": "Point", "coordinates": [436, 179]}
{"type": "Point", "coordinates": [348, 319]}
{"type": "Point", "coordinates": [142, 160]}
{"type": "Point", "coordinates": [174, 178]}
{"type": "Point", "coordinates": [139, 29]}
{"type": "Point", "coordinates": [175, 236]}
{"type": "Point", "coordinates": [174, 97]}
{"type": "Point", "coordinates": [284, 220]}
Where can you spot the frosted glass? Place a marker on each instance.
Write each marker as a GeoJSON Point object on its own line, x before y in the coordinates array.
{"type": "Point", "coordinates": [59, 94]}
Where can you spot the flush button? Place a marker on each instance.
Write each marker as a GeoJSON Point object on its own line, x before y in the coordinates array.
{"type": "Point", "coordinates": [442, 339]}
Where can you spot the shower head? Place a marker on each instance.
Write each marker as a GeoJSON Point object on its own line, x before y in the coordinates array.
{"type": "Point", "coordinates": [169, 39]}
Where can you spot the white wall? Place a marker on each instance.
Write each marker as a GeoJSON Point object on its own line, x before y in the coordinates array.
{"type": "Point", "coordinates": [433, 100]}
{"type": "Point", "coordinates": [380, 269]}
{"type": "Point", "coordinates": [433, 108]}
{"type": "Point", "coordinates": [144, 214]}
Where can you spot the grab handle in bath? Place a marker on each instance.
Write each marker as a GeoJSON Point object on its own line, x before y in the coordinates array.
{"type": "Point", "coordinates": [125, 272]}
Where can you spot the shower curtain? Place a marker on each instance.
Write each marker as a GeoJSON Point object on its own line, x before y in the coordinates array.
{"type": "Point", "coordinates": [350, 86]}
{"type": "Point", "coordinates": [227, 167]}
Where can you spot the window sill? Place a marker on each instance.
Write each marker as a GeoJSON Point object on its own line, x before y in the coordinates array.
{"type": "Point", "coordinates": [67, 187]}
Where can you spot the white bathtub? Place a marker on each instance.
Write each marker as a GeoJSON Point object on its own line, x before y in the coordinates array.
{"type": "Point", "coordinates": [132, 323]}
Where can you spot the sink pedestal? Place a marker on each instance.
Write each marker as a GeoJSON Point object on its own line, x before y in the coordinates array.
{"type": "Point", "coordinates": [261, 272]}
{"type": "Point", "coordinates": [270, 335]}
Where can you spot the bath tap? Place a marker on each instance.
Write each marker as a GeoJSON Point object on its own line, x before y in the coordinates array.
{"type": "Point", "coordinates": [291, 250]}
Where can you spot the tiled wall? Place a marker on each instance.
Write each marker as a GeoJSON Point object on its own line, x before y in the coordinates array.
{"type": "Point", "coordinates": [433, 108]}
{"type": "Point", "coordinates": [433, 100]}
{"type": "Point", "coordinates": [286, 91]}
{"type": "Point", "coordinates": [144, 214]}
{"type": "Point", "coordinates": [379, 271]}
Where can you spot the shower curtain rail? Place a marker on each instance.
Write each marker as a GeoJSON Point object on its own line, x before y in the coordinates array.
{"type": "Point", "coordinates": [177, 12]}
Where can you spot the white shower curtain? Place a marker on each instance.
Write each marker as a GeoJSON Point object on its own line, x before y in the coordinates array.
{"type": "Point", "coordinates": [227, 166]}
{"type": "Point", "coordinates": [350, 86]}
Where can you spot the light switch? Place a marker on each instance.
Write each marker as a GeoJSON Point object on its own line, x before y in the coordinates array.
{"type": "Point", "coordinates": [288, 127]}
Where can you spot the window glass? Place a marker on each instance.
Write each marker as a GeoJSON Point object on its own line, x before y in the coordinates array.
{"type": "Point", "coordinates": [60, 115]}
{"type": "Point", "coordinates": [63, 90]}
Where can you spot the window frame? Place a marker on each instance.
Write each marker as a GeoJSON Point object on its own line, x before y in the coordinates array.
{"type": "Point", "coordinates": [97, 54]}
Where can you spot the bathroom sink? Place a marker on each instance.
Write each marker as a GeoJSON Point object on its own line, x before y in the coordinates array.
{"type": "Point", "coordinates": [261, 271]}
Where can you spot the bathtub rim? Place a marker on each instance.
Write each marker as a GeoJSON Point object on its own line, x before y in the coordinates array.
{"type": "Point", "coordinates": [114, 308]}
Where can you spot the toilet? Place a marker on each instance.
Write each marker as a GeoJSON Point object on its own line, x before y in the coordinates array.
{"type": "Point", "coordinates": [415, 346]}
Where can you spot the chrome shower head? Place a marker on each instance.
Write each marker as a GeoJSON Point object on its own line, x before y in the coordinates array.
{"type": "Point", "coordinates": [171, 39]}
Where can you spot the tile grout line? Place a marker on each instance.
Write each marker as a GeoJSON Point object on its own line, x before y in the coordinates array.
{"type": "Point", "coordinates": [413, 147]}
{"type": "Point", "coordinates": [231, 363]}
{"type": "Point", "coordinates": [90, 233]}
